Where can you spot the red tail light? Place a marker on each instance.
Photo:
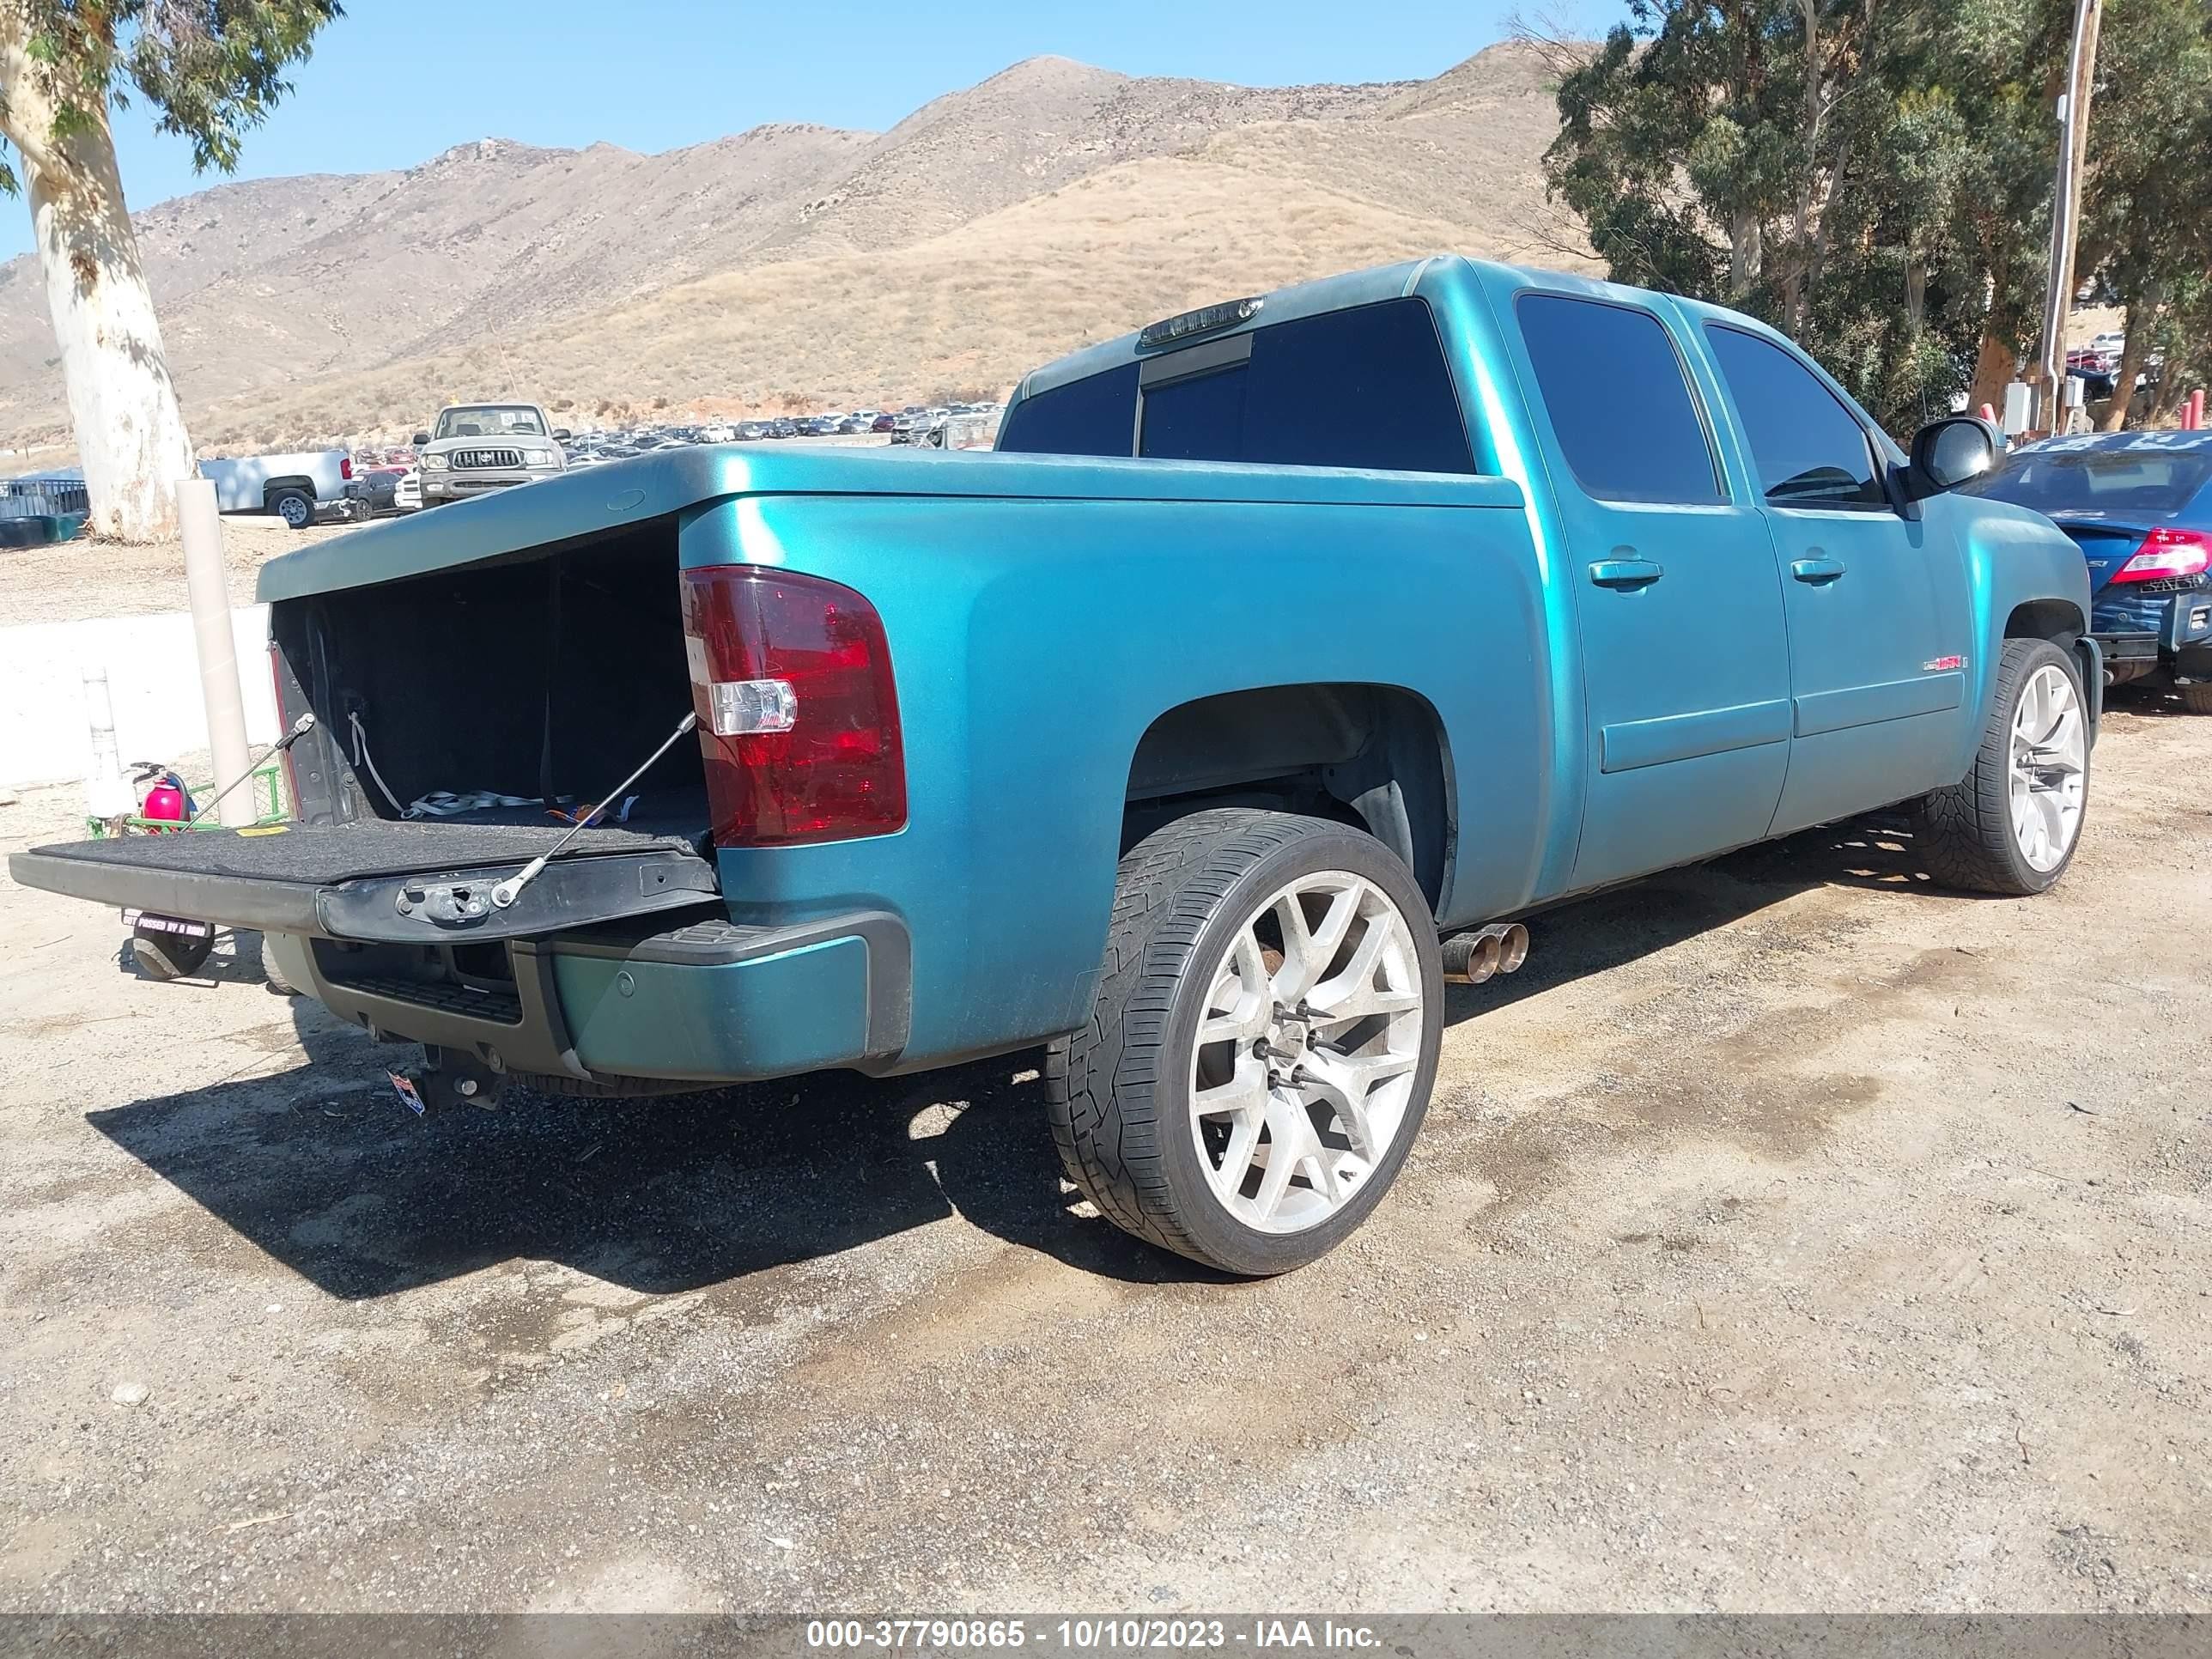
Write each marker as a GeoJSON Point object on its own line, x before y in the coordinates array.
{"type": "Point", "coordinates": [798, 715]}
{"type": "Point", "coordinates": [345, 467]}
{"type": "Point", "coordinates": [2167, 553]}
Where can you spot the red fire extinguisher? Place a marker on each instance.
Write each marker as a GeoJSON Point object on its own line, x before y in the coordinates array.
{"type": "Point", "coordinates": [163, 795]}
{"type": "Point", "coordinates": [166, 947]}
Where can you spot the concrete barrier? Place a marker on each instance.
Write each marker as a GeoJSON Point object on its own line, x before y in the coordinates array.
{"type": "Point", "coordinates": [154, 679]}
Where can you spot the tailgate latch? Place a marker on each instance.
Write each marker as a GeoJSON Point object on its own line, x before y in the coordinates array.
{"type": "Point", "coordinates": [446, 903]}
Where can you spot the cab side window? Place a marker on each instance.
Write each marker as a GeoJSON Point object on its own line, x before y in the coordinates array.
{"type": "Point", "coordinates": [1619, 400]}
{"type": "Point", "coordinates": [1810, 450]}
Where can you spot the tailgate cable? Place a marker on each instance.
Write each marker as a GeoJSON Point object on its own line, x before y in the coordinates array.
{"type": "Point", "coordinates": [439, 803]}
{"type": "Point", "coordinates": [300, 728]}
{"type": "Point", "coordinates": [504, 895]}
{"type": "Point", "coordinates": [363, 757]}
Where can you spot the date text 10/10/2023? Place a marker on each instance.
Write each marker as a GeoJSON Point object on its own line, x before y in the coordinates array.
{"type": "Point", "coordinates": [1260, 1635]}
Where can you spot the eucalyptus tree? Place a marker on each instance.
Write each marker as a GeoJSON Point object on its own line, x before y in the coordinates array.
{"type": "Point", "coordinates": [208, 71]}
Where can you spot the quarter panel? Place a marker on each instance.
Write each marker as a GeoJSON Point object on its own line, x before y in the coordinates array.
{"type": "Point", "coordinates": [1034, 644]}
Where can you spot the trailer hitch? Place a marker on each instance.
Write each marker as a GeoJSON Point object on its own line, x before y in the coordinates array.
{"type": "Point", "coordinates": [450, 1078]}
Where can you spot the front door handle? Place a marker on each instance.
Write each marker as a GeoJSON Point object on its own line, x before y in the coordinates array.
{"type": "Point", "coordinates": [1817, 571]}
{"type": "Point", "coordinates": [1626, 573]}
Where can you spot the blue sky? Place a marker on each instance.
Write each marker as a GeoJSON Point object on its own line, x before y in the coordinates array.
{"type": "Point", "coordinates": [395, 82]}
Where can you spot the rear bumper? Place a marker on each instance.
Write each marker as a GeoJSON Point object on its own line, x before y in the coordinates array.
{"type": "Point", "coordinates": [710, 1001]}
{"type": "Point", "coordinates": [2140, 635]}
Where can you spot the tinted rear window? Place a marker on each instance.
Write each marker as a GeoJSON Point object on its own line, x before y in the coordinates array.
{"type": "Point", "coordinates": [1367, 387]}
{"type": "Point", "coordinates": [1613, 384]}
{"type": "Point", "coordinates": [1094, 416]}
{"type": "Point", "coordinates": [2098, 480]}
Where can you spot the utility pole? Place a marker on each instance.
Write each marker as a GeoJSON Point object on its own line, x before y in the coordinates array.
{"type": "Point", "coordinates": [2066, 206]}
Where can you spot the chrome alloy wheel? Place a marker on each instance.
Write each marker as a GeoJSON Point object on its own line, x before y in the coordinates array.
{"type": "Point", "coordinates": [1306, 1052]}
{"type": "Point", "coordinates": [2048, 768]}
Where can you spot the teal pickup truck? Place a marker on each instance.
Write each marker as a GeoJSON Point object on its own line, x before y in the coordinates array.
{"type": "Point", "coordinates": [1282, 655]}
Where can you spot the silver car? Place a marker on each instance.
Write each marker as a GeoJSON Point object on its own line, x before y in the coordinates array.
{"type": "Point", "coordinates": [476, 448]}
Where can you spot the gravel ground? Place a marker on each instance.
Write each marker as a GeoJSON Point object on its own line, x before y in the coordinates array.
{"type": "Point", "coordinates": [1787, 1234]}
{"type": "Point", "coordinates": [111, 579]}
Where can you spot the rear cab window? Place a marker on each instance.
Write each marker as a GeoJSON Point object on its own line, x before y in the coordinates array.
{"type": "Point", "coordinates": [1094, 416]}
{"type": "Point", "coordinates": [1366, 386]}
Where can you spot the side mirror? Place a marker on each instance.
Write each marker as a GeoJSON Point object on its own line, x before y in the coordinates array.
{"type": "Point", "coordinates": [1949, 453]}
{"type": "Point", "coordinates": [421, 438]}
{"type": "Point", "coordinates": [562, 434]}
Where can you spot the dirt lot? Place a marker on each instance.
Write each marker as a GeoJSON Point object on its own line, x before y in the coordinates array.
{"type": "Point", "coordinates": [1787, 1234]}
{"type": "Point", "coordinates": [109, 579]}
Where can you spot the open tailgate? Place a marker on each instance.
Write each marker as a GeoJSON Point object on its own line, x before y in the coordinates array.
{"type": "Point", "coordinates": [381, 881]}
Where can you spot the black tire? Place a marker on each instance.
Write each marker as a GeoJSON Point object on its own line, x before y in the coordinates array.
{"type": "Point", "coordinates": [606, 1088]}
{"type": "Point", "coordinates": [1118, 1089]}
{"type": "Point", "coordinates": [163, 956]}
{"type": "Point", "coordinates": [2197, 698]}
{"type": "Point", "coordinates": [271, 975]}
{"type": "Point", "coordinates": [295, 506]}
{"type": "Point", "coordinates": [1965, 833]}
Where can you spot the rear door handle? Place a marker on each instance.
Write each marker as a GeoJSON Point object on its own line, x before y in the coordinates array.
{"type": "Point", "coordinates": [1626, 573]}
{"type": "Point", "coordinates": [1817, 571]}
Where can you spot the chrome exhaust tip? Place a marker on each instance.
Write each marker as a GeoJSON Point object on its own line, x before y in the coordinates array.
{"type": "Point", "coordinates": [1470, 958]}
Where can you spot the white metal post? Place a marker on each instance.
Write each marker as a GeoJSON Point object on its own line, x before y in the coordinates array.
{"type": "Point", "coordinates": [218, 650]}
{"type": "Point", "coordinates": [108, 792]}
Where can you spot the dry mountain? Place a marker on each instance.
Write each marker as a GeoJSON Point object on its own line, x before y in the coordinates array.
{"type": "Point", "coordinates": [1053, 203]}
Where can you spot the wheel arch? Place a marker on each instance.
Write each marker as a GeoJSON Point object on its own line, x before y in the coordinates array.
{"type": "Point", "coordinates": [1371, 754]}
{"type": "Point", "coordinates": [2059, 621]}
{"type": "Point", "coordinates": [272, 488]}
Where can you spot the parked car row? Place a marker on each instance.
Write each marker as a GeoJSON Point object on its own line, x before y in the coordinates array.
{"type": "Point", "coordinates": [900, 426]}
{"type": "Point", "coordinates": [2101, 355]}
{"type": "Point", "coordinates": [377, 482]}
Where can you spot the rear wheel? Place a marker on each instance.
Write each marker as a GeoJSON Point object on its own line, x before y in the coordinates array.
{"type": "Point", "coordinates": [2012, 824]}
{"type": "Point", "coordinates": [2197, 698]}
{"type": "Point", "coordinates": [1264, 1041]}
{"type": "Point", "coordinates": [294, 506]}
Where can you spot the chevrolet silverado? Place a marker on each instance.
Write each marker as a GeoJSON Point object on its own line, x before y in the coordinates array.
{"type": "Point", "coordinates": [1285, 653]}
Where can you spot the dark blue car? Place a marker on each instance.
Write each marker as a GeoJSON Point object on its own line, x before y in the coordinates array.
{"type": "Point", "coordinates": [2140, 505]}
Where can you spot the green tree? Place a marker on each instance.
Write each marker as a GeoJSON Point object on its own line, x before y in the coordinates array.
{"type": "Point", "coordinates": [2147, 234]}
{"type": "Point", "coordinates": [210, 70]}
{"type": "Point", "coordinates": [1871, 176]}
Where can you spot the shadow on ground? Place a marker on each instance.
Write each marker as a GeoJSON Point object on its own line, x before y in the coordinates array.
{"type": "Point", "coordinates": [322, 1168]}
{"type": "Point", "coordinates": [1639, 918]}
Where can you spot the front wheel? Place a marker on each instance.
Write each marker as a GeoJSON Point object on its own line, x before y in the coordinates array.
{"type": "Point", "coordinates": [2012, 824]}
{"type": "Point", "coordinates": [1261, 1053]}
{"type": "Point", "coordinates": [2197, 698]}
